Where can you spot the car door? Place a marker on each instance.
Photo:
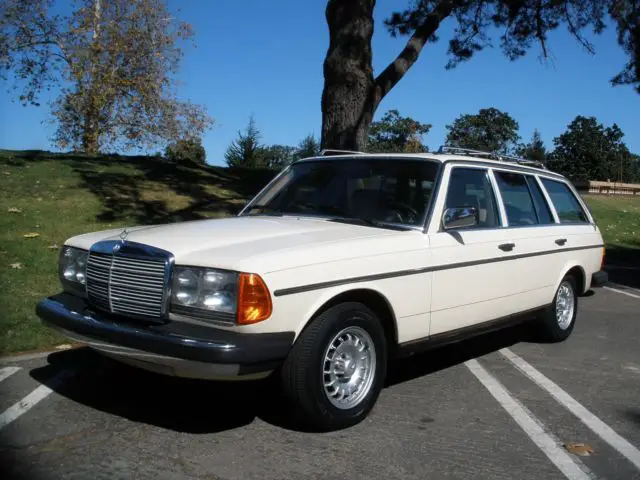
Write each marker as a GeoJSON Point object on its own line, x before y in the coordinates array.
{"type": "Point", "coordinates": [472, 282]}
{"type": "Point", "coordinates": [533, 230]}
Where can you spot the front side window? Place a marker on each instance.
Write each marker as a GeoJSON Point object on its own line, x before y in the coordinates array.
{"type": "Point", "coordinates": [516, 198]}
{"type": "Point", "coordinates": [381, 190]}
{"type": "Point", "coordinates": [471, 187]}
{"type": "Point", "coordinates": [566, 204]}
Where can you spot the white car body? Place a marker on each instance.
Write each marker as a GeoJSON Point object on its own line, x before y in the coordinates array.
{"type": "Point", "coordinates": [432, 284]}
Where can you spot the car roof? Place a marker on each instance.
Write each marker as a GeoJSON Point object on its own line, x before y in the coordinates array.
{"type": "Point", "coordinates": [442, 158]}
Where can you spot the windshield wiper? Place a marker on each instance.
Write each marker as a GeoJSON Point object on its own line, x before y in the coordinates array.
{"type": "Point", "coordinates": [263, 211]}
{"type": "Point", "coordinates": [368, 222]}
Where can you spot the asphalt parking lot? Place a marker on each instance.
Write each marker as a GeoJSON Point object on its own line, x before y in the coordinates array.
{"type": "Point", "coordinates": [497, 407]}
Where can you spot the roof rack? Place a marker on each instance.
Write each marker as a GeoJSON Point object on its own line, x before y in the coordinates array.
{"type": "Point", "coordinates": [492, 155]}
{"type": "Point", "coordinates": [328, 152]}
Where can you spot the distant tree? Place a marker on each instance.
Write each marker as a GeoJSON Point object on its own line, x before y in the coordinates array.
{"type": "Point", "coordinates": [353, 90]}
{"type": "Point", "coordinates": [186, 150]}
{"type": "Point", "coordinates": [588, 150]}
{"type": "Point", "coordinates": [115, 63]}
{"type": "Point", "coordinates": [279, 156]}
{"type": "Point", "coordinates": [535, 149]}
{"type": "Point", "coordinates": [247, 151]}
{"type": "Point", "coordinates": [308, 147]}
{"type": "Point", "coordinates": [489, 130]}
{"type": "Point", "coordinates": [635, 168]}
{"type": "Point", "coordinates": [396, 134]}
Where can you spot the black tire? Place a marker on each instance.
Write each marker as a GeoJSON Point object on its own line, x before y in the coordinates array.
{"type": "Point", "coordinates": [302, 372]}
{"type": "Point", "coordinates": [551, 329]}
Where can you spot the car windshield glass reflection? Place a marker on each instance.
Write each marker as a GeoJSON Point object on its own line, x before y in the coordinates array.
{"type": "Point", "coordinates": [374, 191]}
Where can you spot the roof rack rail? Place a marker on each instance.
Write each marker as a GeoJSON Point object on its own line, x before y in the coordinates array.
{"type": "Point", "coordinates": [329, 151]}
{"type": "Point", "coordinates": [493, 155]}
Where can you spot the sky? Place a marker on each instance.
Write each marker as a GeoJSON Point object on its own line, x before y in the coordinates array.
{"type": "Point", "coordinates": [265, 59]}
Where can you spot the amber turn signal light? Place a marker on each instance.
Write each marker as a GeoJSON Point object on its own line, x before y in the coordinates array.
{"type": "Point", "coordinates": [254, 299]}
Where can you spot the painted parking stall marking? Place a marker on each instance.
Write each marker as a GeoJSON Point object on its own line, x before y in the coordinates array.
{"type": "Point", "coordinates": [35, 397]}
{"type": "Point", "coordinates": [6, 372]}
{"type": "Point", "coordinates": [623, 292]}
{"type": "Point", "coordinates": [570, 467]}
{"type": "Point", "coordinates": [603, 430]}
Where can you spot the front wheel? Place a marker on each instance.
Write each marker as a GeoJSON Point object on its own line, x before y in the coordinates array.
{"type": "Point", "coordinates": [558, 320]}
{"type": "Point", "coordinates": [336, 369]}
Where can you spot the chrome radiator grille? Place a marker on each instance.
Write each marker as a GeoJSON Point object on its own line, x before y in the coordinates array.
{"type": "Point", "coordinates": [127, 285]}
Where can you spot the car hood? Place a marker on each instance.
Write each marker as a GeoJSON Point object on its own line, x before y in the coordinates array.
{"type": "Point", "coordinates": [260, 243]}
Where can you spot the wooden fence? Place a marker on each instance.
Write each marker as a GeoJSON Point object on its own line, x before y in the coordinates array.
{"type": "Point", "coordinates": [608, 188]}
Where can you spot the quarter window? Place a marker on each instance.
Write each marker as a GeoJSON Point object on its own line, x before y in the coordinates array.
{"type": "Point", "coordinates": [517, 200]}
{"type": "Point", "coordinates": [566, 204]}
{"type": "Point", "coordinates": [470, 187]}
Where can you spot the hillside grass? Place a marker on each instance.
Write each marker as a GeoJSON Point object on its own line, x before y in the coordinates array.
{"type": "Point", "coordinates": [58, 196]}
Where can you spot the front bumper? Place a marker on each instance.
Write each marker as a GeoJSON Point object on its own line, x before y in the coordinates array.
{"type": "Point", "coordinates": [599, 278]}
{"type": "Point", "coordinates": [175, 348]}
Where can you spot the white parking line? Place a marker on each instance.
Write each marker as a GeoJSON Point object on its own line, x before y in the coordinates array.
{"type": "Point", "coordinates": [603, 430]}
{"type": "Point", "coordinates": [623, 292]}
{"type": "Point", "coordinates": [7, 372]}
{"type": "Point", "coordinates": [531, 425]}
{"type": "Point", "coordinates": [28, 402]}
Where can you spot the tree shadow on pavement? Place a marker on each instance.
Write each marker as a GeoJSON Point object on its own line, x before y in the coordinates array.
{"type": "Point", "coordinates": [200, 407]}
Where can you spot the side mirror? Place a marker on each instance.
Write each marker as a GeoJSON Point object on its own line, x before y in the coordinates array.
{"type": "Point", "coordinates": [460, 217]}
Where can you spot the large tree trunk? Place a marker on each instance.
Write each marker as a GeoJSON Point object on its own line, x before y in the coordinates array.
{"type": "Point", "coordinates": [348, 101]}
{"type": "Point", "coordinates": [351, 94]}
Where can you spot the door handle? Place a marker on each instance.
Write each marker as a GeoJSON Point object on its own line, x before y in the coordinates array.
{"type": "Point", "coordinates": [561, 241]}
{"type": "Point", "coordinates": [507, 247]}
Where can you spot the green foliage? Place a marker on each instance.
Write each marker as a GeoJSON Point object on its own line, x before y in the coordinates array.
{"type": "Point", "coordinates": [521, 24]}
{"type": "Point", "coordinates": [186, 150]}
{"type": "Point", "coordinates": [279, 156]}
{"type": "Point", "coordinates": [308, 147]}
{"type": "Point", "coordinates": [396, 134]}
{"type": "Point", "coordinates": [535, 149]}
{"type": "Point", "coordinates": [588, 150]}
{"type": "Point", "coordinates": [115, 63]}
{"type": "Point", "coordinates": [489, 130]}
{"type": "Point", "coordinates": [247, 151]}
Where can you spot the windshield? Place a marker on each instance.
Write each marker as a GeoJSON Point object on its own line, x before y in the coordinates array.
{"type": "Point", "coordinates": [372, 190]}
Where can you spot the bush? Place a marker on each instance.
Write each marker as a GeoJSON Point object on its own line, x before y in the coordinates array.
{"type": "Point", "coordinates": [186, 151]}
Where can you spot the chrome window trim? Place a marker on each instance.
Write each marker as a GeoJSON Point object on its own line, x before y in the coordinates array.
{"type": "Point", "coordinates": [123, 248]}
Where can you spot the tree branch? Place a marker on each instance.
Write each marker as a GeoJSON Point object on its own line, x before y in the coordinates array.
{"type": "Point", "coordinates": [391, 75]}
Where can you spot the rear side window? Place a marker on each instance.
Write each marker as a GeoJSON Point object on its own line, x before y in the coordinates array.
{"type": "Point", "coordinates": [542, 207]}
{"type": "Point", "coordinates": [566, 204]}
{"type": "Point", "coordinates": [470, 187]}
{"type": "Point", "coordinates": [517, 200]}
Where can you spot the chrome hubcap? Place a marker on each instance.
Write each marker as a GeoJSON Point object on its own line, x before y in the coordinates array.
{"type": "Point", "coordinates": [349, 367]}
{"type": "Point", "coordinates": [565, 303]}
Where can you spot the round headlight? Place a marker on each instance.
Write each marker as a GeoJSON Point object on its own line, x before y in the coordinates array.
{"type": "Point", "coordinates": [187, 287]}
{"type": "Point", "coordinates": [187, 297]}
{"type": "Point", "coordinates": [70, 273]}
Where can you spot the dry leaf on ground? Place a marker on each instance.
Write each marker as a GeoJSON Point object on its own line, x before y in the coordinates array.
{"type": "Point", "coordinates": [64, 346]}
{"type": "Point", "coordinates": [14, 210]}
{"type": "Point", "coordinates": [581, 449]}
{"type": "Point", "coordinates": [17, 266]}
{"type": "Point", "coordinates": [31, 235]}
{"type": "Point", "coordinates": [55, 246]}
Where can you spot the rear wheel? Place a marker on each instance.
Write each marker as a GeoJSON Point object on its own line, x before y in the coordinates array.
{"type": "Point", "coordinates": [336, 369]}
{"type": "Point", "coordinates": [558, 320]}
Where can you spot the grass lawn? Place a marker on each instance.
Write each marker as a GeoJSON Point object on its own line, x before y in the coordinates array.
{"type": "Point", "coordinates": [47, 198]}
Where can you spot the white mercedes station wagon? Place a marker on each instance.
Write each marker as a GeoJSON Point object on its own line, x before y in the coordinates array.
{"type": "Point", "coordinates": [340, 264]}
